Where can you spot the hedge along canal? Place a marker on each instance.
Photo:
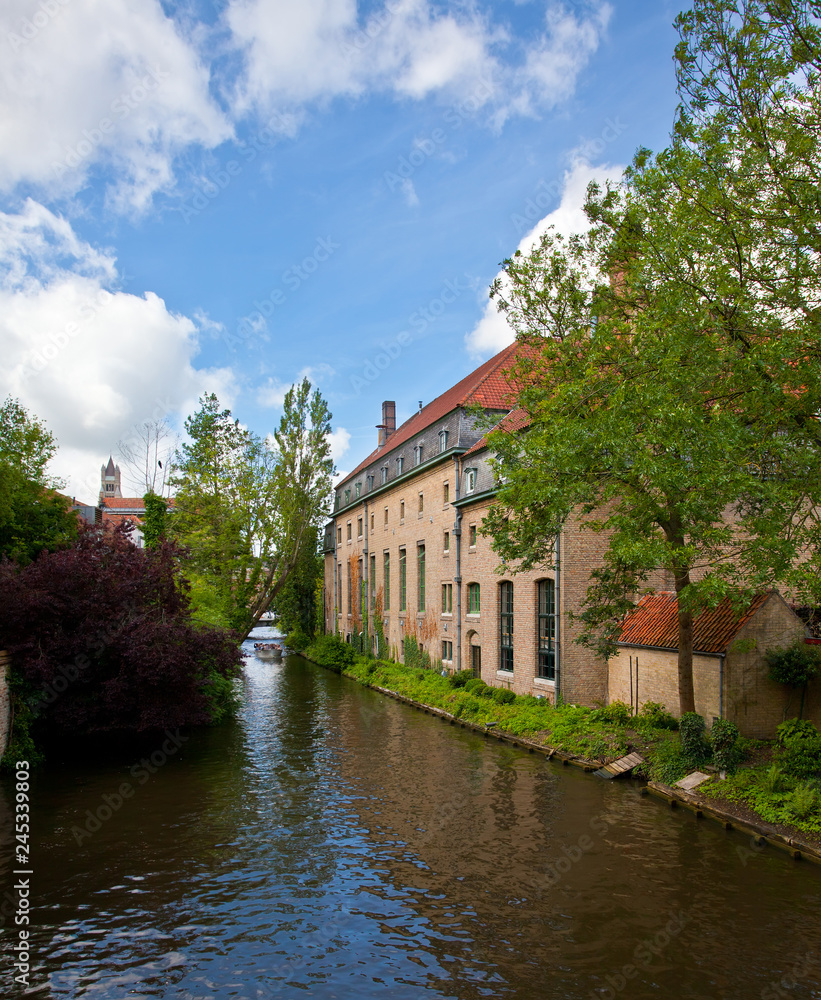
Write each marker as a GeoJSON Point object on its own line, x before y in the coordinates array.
{"type": "Point", "coordinates": [334, 843]}
{"type": "Point", "coordinates": [759, 833]}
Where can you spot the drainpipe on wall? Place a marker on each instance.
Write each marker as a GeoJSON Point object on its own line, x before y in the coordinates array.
{"type": "Point", "coordinates": [557, 588]}
{"type": "Point", "coordinates": [721, 685]}
{"type": "Point", "coordinates": [457, 579]}
{"type": "Point", "coordinates": [367, 595]}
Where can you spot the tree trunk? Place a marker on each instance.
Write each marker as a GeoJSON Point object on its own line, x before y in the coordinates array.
{"type": "Point", "coordinates": [686, 692]}
{"type": "Point", "coordinates": [681, 575]}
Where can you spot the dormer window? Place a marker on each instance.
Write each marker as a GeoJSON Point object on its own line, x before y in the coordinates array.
{"type": "Point", "coordinates": [443, 441]}
{"type": "Point", "coordinates": [400, 465]}
{"type": "Point", "coordinates": [384, 472]}
{"type": "Point", "coordinates": [417, 454]}
{"type": "Point", "coordinates": [358, 488]}
{"type": "Point", "coordinates": [470, 480]}
{"type": "Point", "coordinates": [370, 482]}
{"type": "Point", "coordinates": [347, 496]}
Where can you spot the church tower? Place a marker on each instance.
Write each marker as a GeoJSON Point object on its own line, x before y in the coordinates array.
{"type": "Point", "coordinates": [110, 481]}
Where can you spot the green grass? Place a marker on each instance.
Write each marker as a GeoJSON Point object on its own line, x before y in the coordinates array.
{"type": "Point", "coordinates": [569, 728]}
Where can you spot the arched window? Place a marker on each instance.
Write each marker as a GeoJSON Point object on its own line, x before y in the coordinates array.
{"type": "Point", "coordinates": [473, 599]}
{"type": "Point", "coordinates": [546, 630]}
{"type": "Point", "coordinates": [506, 626]}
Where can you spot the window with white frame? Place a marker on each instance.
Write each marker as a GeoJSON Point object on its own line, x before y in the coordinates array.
{"type": "Point", "coordinates": [384, 473]}
{"type": "Point", "coordinates": [400, 465]}
{"type": "Point", "coordinates": [443, 441]}
{"type": "Point", "coordinates": [470, 480]}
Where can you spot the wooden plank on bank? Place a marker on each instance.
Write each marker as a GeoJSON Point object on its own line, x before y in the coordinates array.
{"type": "Point", "coordinates": [617, 768]}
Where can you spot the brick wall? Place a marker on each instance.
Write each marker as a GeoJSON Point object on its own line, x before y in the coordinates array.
{"type": "Point", "coordinates": [658, 679]}
{"type": "Point", "coordinates": [5, 704]}
{"type": "Point", "coordinates": [754, 702]}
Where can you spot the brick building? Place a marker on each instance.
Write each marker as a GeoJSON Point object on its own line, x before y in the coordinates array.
{"type": "Point", "coordinates": [730, 676]}
{"type": "Point", "coordinates": [406, 523]}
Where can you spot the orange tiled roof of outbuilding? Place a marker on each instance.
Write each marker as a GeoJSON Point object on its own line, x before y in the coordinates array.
{"type": "Point", "coordinates": [654, 622]}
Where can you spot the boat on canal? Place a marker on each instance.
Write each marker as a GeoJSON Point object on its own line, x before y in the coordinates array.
{"type": "Point", "coordinates": [268, 651]}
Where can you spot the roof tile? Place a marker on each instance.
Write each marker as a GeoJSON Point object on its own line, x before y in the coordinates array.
{"type": "Point", "coordinates": [488, 386]}
{"type": "Point", "coordinates": [654, 622]}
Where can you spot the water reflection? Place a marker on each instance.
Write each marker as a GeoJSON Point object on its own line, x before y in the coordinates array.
{"type": "Point", "coordinates": [335, 844]}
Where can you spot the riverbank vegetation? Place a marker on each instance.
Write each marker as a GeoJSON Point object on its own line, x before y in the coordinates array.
{"type": "Point", "coordinates": [780, 782]}
{"type": "Point", "coordinates": [102, 641]}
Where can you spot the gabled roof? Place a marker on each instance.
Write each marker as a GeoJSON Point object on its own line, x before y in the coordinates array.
{"type": "Point", "coordinates": [487, 387]}
{"type": "Point", "coordinates": [516, 420]}
{"type": "Point", "coordinates": [654, 622]}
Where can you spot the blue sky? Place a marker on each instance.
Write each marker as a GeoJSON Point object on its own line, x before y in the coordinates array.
{"type": "Point", "coordinates": [225, 196]}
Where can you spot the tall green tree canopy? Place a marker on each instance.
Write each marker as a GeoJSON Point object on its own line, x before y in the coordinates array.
{"type": "Point", "coordinates": [245, 507]}
{"type": "Point", "coordinates": [33, 516]}
{"type": "Point", "coordinates": [671, 384]}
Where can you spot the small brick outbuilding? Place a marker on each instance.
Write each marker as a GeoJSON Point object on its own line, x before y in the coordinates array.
{"type": "Point", "coordinates": [730, 676]}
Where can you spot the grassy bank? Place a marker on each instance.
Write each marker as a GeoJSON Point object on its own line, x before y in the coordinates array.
{"type": "Point", "coordinates": [777, 782]}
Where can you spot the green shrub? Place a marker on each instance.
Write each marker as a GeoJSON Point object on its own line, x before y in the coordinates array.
{"type": "Point", "coordinates": [694, 748]}
{"type": "Point", "coordinates": [803, 801]}
{"type": "Point", "coordinates": [772, 781]}
{"type": "Point", "coordinates": [298, 640]}
{"type": "Point", "coordinates": [460, 678]}
{"type": "Point", "coordinates": [724, 741]}
{"type": "Point", "coordinates": [657, 716]}
{"type": "Point", "coordinates": [503, 696]}
{"type": "Point", "coordinates": [411, 651]}
{"type": "Point", "coordinates": [801, 728]}
{"type": "Point", "coordinates": [669, 763]}
{"type": "Point", "coordinates": [331, 652]}
{"type": "Point", "coordinates": [617, 712]}
{"type": "Point", "coordinates": [800, 757]}
{"type": "Point", "coordinates": [476, 686]}
{"type": "Point", "coordinates": [795, 667]}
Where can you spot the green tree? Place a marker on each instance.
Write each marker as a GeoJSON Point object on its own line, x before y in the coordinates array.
{"type": "Point", "coordinates": [295, 605]}
{"type": "Point", "coordinates": [154, 527]}
{"type": "Point", "coordinates": [670, 385]}
{"type": "Point", "coordinates": [33, 515]}
{"type": "Point", "coordinates": [246, 508]}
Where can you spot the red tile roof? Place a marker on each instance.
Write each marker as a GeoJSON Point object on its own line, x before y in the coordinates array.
{"type": "Point", "coordinates": [654, 622]}
{"type": "Point", "coordinates": [115, 516]}
{"type": "Point", "coordinates": [487, 386]}
{"type": "Point", "coordinates": [123, 503]}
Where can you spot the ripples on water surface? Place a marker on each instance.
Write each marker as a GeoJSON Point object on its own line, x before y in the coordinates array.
{"type": "Point", "coordinates": [337, 844]}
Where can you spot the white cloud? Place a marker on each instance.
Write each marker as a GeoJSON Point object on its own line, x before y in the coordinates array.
{"type": "Point", "coordinates": [110, 82]}
{"type": "Point", "coordinates": [340, 440]}
{"type": "Point", "coordinates": [409, 192]}
{"type": "Point", "coordinates": [553, 62]}
{"type": "Point", "coordinates": [493, 332]}
{"type": "Point", "coordinates": [295, 54]}
{"type": "Point", "coordinates": [272, 393]}
{"type": "Point", "coordinates": [88, 359]}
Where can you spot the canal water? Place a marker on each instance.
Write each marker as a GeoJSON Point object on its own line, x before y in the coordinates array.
{"type": "Point", "coordinates": [336, 844]}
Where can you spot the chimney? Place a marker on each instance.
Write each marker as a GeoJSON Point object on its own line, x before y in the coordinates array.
{"type": "Point", "coordinates": [388, 425]}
